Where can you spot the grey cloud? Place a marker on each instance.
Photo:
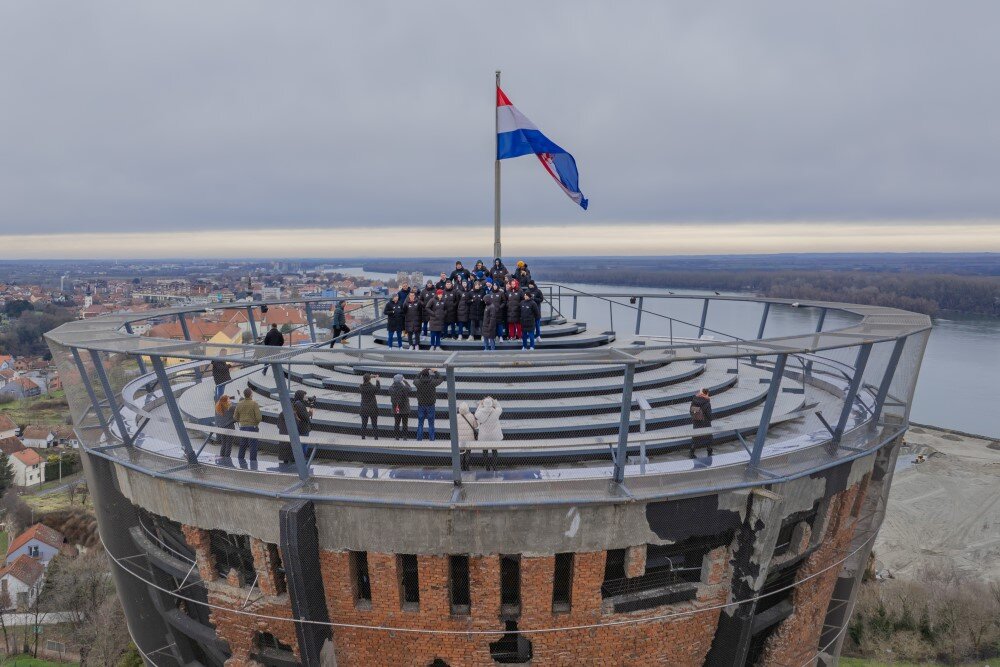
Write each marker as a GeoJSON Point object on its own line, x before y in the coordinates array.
{"type": "Point", "coordinates": [187, 115]}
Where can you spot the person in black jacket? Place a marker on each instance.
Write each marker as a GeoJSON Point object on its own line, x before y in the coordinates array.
{"type": "Point", "coordinates": [442, 281]}
{"type": "Point", "coordinates": [369, 404]}
{"type": "Point", "coordinates": [462, 315]}
{"type": "Point", "coordinates": [522, 274]}
{"type": "Point", "coordinates": [701, 417]}
{"type": "Point", "coordinates": [514, 297]}
{"type": "Point", "coordinates": [529, 315]}
{"type": "Point", "coordinates": [435, 311]}
{"type": "Point", "coordinates": [499, 271]}
{"type": "Point", "coordinates": [413, 315]}
{"type": "Point", "coordinates": [401, 392]}
{"type": "Point", "coordinates": [451, 309]}
{"type": "Point", "coordinates": [273, 338]}
{"type": "Point", "coordinates": [460, 273]}
{"type": "Point", "coordinates": [426, 295]}
{"type": "Point", "coordinates": [500, 300]}
{"type": "Point", "coordinates": [539, 298]}
{"type": "Point", "coordinates": [394, 323]}
{"type": "Point", "coordinates": [426, 385]}
{"type": "Point", "coordinates": [302, 414]}
{"type": "Point", "coordinates": [221, 374]}
{"type": "Point", "coordinates": [476, 307]}
{"type": "Point", "coordinates": [491, 306]}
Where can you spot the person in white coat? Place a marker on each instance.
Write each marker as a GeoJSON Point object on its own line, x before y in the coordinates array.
{"type": "Point", "coordinates": [488, 416]}
{"type": "Point", "coordinates": [468, 428]}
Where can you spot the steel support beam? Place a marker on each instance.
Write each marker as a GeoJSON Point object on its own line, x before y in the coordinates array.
{"type": "Point", "coordinates": [300, 555]}
{"type": "Point", "coordinates": [575, 299]}
{"type": "Point", "coordinates": [184, 326]}
{"type": "Point", "coordinates": [638, 317]}
{"type": "Point", "coordinates": [288, 414]}
{"type": "Point", "coordinates": [763, 321]}
{"type": "Point", "coordinates": [312, 324]}
{"type": "Point", "coordinates": [175, 412]}
{"type": "Point", "coordinates": [623, 425]}
{"type": "Point", "coordinates": [765, 417]}
{"type": "Point", "coordinates": [138, 357]}
{"type": "Point", "coordinates": [704, 318]}
{"type": "Point", "coordinates": [110, 395]}
{"type": "Point", "coordinates": [253, 324]}
{"type": "Point", "coordinates": [890, 372]}
{"type": "Point", "coordinates": [456, 454]}
{"type": "Point", "coordinates": [822, 319]}
{"type": "Point", "coordinates": [852, 390]}
{"type": "Point", "coordinates": [85, 378]}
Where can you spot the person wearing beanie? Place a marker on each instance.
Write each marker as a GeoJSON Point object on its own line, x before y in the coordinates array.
{"type": "Point", "coordinates": [479, 271]}
{"type": "Point", "coordinates": [522, 273]}
{"type": "Point", "coordinates": [413, 314]}
{"type": "Point", "coordinates": [400, 393]}
{"type": "Point", "coordinates": [514, 297]}
{"type": "Point", "coordinates": [499, 271]}
{"type": "Point", "coordinates": [460, 274]}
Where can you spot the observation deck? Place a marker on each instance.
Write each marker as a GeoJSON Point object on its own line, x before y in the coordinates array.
{"type": "Point", "coordinates": [593, 415]}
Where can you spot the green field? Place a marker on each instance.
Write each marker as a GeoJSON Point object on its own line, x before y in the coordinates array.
{"type": "Point", "coordinates": [50, 410]}
{"type": "Point", "coordinates": [27, 661]}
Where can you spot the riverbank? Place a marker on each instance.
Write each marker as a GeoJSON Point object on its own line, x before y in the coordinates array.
{"type": "Point", "coordinates": [943, 513]}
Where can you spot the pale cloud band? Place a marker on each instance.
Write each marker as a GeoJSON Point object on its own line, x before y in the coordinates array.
{"type": "Point", "coordinates": [527, 240]}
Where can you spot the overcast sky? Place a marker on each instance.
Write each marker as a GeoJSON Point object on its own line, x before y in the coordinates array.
{"type": "Point", "coordinates": [211, 117]}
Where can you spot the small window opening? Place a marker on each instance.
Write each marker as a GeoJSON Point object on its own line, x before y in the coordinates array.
{"type": "Point", "coordinates": [510, 584]}
{"type": "Point", "coordinates": [409, 581]}
{"type": "Point", "coordinates": [460, 601]}
{"type": "Point", "coordinates": [562, 582]}
{"type": "Point", "coordinates": [359, 574]}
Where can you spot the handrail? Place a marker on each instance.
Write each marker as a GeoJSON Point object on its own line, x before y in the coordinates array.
{"type": "Point", "coordinates": [643, 310]}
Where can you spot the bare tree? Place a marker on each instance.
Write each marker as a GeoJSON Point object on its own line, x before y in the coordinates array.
{"type": "Point", "coordinates": [4, 606]}
{"type": "Point", "coordinates": [83, 589]}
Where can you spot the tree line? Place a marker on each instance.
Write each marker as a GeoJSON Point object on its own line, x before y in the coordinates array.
{"type": "Point", "coordinates": [24, 325]}
{"type": "Point", "coordinates": [931, 294]}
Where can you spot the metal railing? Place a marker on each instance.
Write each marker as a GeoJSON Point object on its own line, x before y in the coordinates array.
{"type": "Point", "coordinates": [127, 382]}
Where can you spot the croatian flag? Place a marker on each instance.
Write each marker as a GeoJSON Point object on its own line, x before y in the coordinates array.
{"type": "Point", "coordinates": [517, 136]}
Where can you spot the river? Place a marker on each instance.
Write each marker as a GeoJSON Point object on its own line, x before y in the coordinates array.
{"type": "Point", "coordinates": [959, 383]}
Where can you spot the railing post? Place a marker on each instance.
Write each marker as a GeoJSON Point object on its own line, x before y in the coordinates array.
{"type": "Point", "coordinates": [763, 321]}
{"type": "Point", "coordinates": [765, 417]}
{"type": "Point", "coordinates": [623, 425]}
{"type": "Point", "coordinates": [852, 391]}
{"type": "Point", "coordinates": [138, 357]}
{"type": "Point", "coordinates": [184, 326]}
{"type": "Point", "coordinates": [253, 324]}
{"type": "Point", "coordinates": [671, 331]}
{"type": "Point", "coordinates": [890, 372]}
{"type": "Point", "coordinates": [638, 317]}
{"type": "Point", "coordinates": [704, 318]}
{"type": "Point", "coordinates": [312, 325]}
{"type": "Point", "coordinates": [456, 454]}
{"type": "Point", "coordinates": [109, 394]}
{"type": "Point", "coordinates": [288, 414]}
{"type": "Point", "coordinates": [175, 413]}
{"type": "Point", "coordinates": [611, 313]}
{"type": "Point", "coordinates": [85, 377]}
{"type": "Point", "coordinates": [822, 319]}
{"type": "Point", "coordinates": [575, 297]}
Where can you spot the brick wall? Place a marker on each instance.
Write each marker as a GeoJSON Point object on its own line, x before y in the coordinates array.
{"type": "Point", "coordinates": [680, 640]}
{"type": "Point", "coordinates": [796, 640]}
{"type": "Point", "coordinates": [240, 626]}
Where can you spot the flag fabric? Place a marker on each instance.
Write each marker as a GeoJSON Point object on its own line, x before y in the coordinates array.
{"type": "Point", "coordinates": [517, 136]}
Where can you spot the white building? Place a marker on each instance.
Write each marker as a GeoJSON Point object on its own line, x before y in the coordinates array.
{"type": "Point", "coordinates": [20, 583]}
{"type": "Point", "coordinates": [38, 542]}
{"type": "Point", "coordinates": [39, 437]}
{"type": "Point", "coordinates": [29, 469]}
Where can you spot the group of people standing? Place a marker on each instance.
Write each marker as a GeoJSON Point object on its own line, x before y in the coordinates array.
{"type": "Point", "coordinates": [484, 303]}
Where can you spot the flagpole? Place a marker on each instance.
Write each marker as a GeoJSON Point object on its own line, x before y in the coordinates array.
{"type": "Point", "coordinates": [496, 174]}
